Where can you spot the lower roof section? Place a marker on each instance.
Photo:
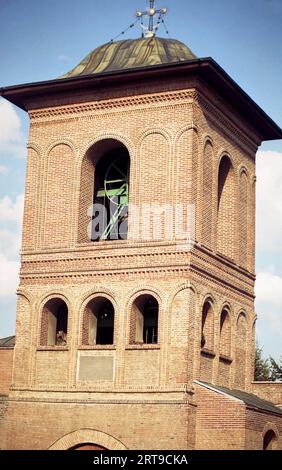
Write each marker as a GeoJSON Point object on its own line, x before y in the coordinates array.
{"type": "Point", "coordinates": [249, 399]}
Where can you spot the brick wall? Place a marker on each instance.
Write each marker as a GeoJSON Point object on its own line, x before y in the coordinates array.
{"type": "Point", "coordinates": [220, 421]}
{"type": "Point", "coordinates": [257, 425]}
{"type": "Point", "coordinates": [170, 422]}
{"type": "Point", "coordinates": [6, 366]}
{"type": "Point", "coordinates": [271, 391]}
{"type": "Point", "coordinates": [224, 422]}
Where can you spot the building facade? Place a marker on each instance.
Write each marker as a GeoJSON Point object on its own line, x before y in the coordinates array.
{"type": "Point", "coordinates": [135, 328]}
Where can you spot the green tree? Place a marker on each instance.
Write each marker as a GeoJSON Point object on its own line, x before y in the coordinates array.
{"type": "Point", "coordinates": [262, 367]}
{"type": "Point", "coordinates": [276, 369]}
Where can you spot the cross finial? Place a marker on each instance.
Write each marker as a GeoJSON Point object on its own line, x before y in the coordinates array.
{"type": "Point", "coordinates": [150, 13]}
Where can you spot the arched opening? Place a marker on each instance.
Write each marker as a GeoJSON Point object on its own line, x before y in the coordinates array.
{"type": "Point", "coordinates": [54, 327]}
{"type": "Point", "coordinates": [145, 319]}
{"type": "Point", "coordinates": [225, 208]}
{"type": "Point", "coordinates": [87, 446]}
{"type": "Point", "coordinates": [104, 188]}
{"type": "Point", "coordinates": [225, 334]}
{"type": "Point", "coordinates": [207, 336]}
{"type": "Point", "coordinates": [270, 440]}
{"type": "Point", "coordinates": [98, 322]}
{"type": "Point", "coordinates": [207, 342]}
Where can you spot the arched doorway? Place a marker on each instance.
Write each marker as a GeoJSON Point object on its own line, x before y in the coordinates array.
{"type": "Point", "coordinates": [87, 437]}
{"type": "Point", "coordinates": [88, 446]}
{"type": "Point", "coordinates": [270, 440]}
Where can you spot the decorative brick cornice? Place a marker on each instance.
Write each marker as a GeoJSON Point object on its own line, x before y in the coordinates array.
{"type": "Point", "coordinates": [135, 102]}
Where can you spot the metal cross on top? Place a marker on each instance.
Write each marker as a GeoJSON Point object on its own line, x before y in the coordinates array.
{"type": "Point", "coordinates": [151, 12]}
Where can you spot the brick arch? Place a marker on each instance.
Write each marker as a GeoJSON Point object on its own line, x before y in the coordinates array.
{"type": "Point", "coordinates": [225, 332]}
{"type": "Point", "coordinates": [26, 294]}
{"type": "Point", "coordinates": [103, 293]}
{"type": "Point", "coordinates": [100, 292]}
{"type": "Point", "coordinates": [58, 198]}
{"type": "Point", "coordinates": [34, 146]}
{"type": "Point", "coordinates": [208, 322]}
{"type": "Point", "coordinates": [51, 295]}
{"type": "Point", "coordinates": [155, 130]}
{"type": "Point", "coordinates": [244, 314]}
{"type": "Point", "coordinates": [224, 153]}
{"type": "Point", "coordinates": [243, 169]}
{"type": "Point", "coordinates": [207, 139]}
{"type": "Point", "coordinates": [270, 437]}
{"type": "Point", "coordinates": [207, 338]}
{"type": "Point", "coordinates": [270, 427]}
{"type": "Point", "coordinates": [186, 143]}
{"type": "Point", "coordinates": [40, 307]}
{"type": "Point", "coordinates": [226, 206]}
{"type": "Point", "coordinates": [141, 290]}
{"type": "Point", "coordinates": [154, 145]}
{"type": "Point", "coordinates": [68, 142]}
{"type": "Point", "coordinates": [130, 315]}
{"type": "Point", "coordinates": [107, 136]}
{"type": "Point", "coordinates": [207, 209]}
{"type": "Point", "coordinates": [181, 286]}
{"type": "Point", "coordinates": [31, 216]}
{"type": "Point", "coordinates": [181, 327]}
{"type": "Point", "coordinates": [244, 217]}
{"type": "Point", "coordinates": [208, 297]}
{"type": "Point", "coordinates": [86, 176]}
{"type": "Point", "coordinates": [87, 436]}
{"type": "Point", "coordinates": [240, 349]}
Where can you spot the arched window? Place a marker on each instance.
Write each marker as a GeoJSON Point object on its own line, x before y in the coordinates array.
{"type": "Point", "coordinates": [144, 321]}
{"type": "Point", "coordinates": [54, 327]}
{"type": "Point", "coordinates": [270, 440]}
{"type": "Point", "coordinates": [226, 208]}
{"type": "Point", "coordinates": [98, 322]}
{"type": "Point", "coordinates": [105, 186]}
{"type": "Point", "coordinates": [225, 334]}
{"type": "Point", "coordinates": [207, 335]}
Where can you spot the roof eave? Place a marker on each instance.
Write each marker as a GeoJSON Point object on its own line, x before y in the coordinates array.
{"type": "Point", "coordinates": [206, 68]}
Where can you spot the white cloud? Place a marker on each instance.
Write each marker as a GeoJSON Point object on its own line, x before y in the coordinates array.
{"type": "Point", "coordinates": [9, 272]}
{"type": "Point", "coordinates": [10, 242]}
{"type": "Point", "coordinates": [269, 197]}
{"type": "Point", "coordinates": [4, 170]}
{"type": "Point", "coordinates": [11, 136]}
{"type": "Point", "coordinates": [269, 289]}
{"type": "Point", "coordinates": [11, 211]}
{"type": "Point", "coordinates": [10, 239]}
{"type": "Point", "coordinates": [269, 311]}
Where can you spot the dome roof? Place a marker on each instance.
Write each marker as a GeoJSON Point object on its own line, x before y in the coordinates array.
{"type": "Point", "coordinates": [130, 54]}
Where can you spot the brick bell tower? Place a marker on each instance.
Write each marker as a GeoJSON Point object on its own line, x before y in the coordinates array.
{"type": "Point", "coordinates": [137, 264]}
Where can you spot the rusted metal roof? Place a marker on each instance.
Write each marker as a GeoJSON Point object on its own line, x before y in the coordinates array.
{"type": "Point", "coordinates": [131, 54]}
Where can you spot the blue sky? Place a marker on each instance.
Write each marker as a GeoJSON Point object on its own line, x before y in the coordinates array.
{"type": "Point", "coordinates": [42, 40]}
